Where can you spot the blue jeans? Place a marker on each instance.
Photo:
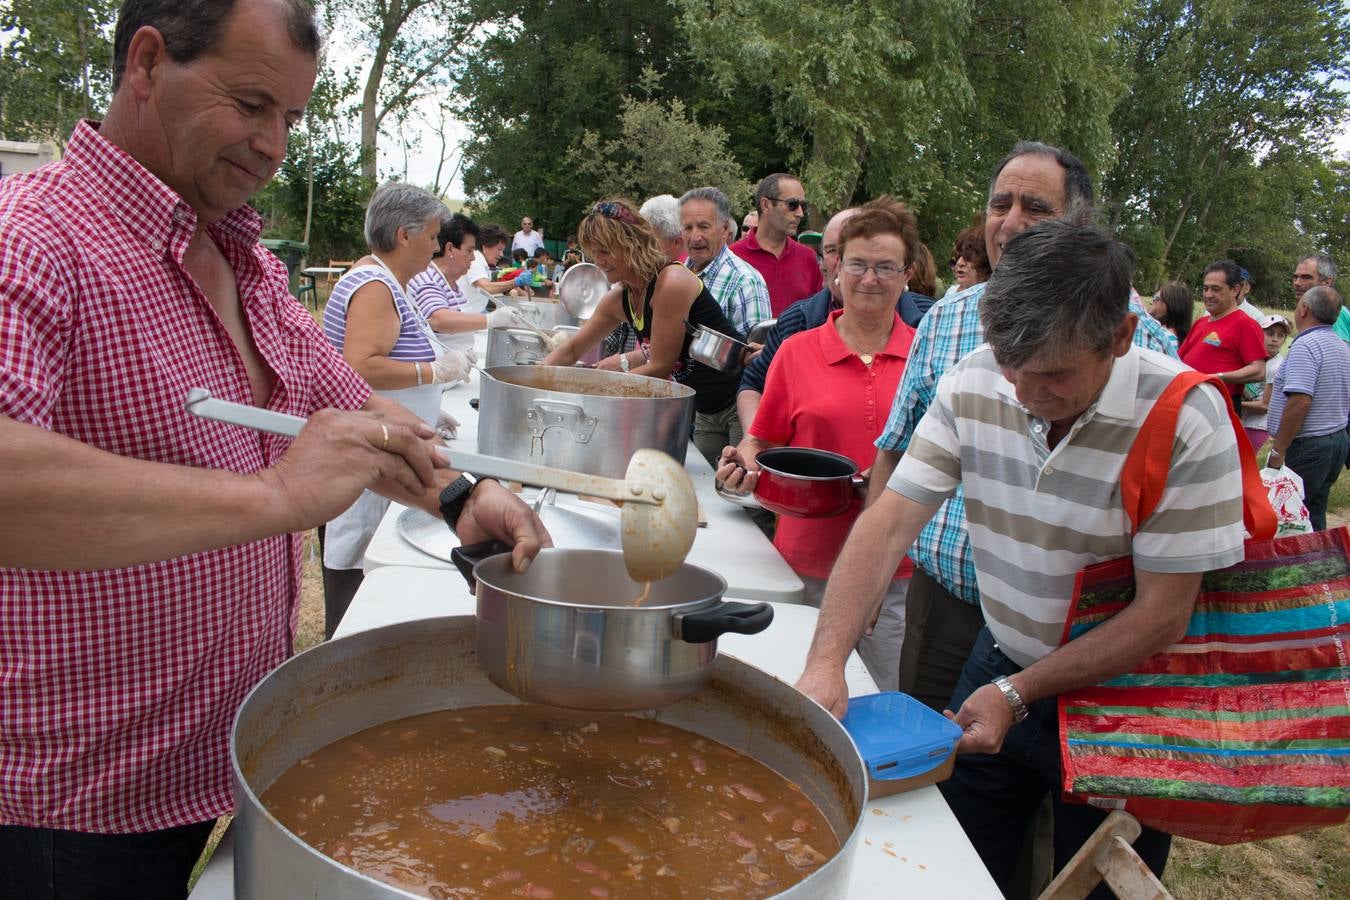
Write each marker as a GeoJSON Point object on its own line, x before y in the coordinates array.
{"type": "Point", "coordinates": [994, 797]}
{"type": "Point", "coordinates": [1318, 461]}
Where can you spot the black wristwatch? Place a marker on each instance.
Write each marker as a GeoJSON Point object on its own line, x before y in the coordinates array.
{"type": "Point", "coordinates": [454, 496]}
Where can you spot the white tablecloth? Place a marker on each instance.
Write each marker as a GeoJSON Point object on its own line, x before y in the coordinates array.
{"type": "Point", "coordinates": [911, 844]}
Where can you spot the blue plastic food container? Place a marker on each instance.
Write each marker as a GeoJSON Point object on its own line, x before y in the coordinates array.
{"type": "Point", "coordinates": [900, 738]}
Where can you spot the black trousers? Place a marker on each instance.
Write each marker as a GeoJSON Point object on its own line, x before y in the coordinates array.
{"type": "Point", "coordinates": [339, 588]}
{"type": "Point", "coordinates": [48, 864]}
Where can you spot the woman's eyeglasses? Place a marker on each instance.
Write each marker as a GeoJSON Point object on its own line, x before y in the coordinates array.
{"type": "Point", "coordinates": [617, 211]}
{"type": "Point", "coordinates": [885, 271]}
{"type": "Point", "coordinates": [791, 203]}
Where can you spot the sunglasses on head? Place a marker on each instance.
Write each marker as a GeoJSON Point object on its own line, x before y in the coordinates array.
{"type": "Point", "coordinates": [617, 211]}
{"type": "Point", "coordinates": [791, 203]}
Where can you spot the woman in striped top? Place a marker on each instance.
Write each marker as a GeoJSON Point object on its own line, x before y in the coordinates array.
{"type": "Point", "coordinates": [388, 341]}
{"type": "Point", "coordinates": [370, 318]}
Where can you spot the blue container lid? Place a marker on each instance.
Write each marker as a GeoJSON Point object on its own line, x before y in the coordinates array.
{"type": "Point", "coordinates": [899, 737]}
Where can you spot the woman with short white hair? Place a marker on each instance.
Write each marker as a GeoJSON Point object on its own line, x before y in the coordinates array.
{"type": "Point", "coordinates": [389, 342]}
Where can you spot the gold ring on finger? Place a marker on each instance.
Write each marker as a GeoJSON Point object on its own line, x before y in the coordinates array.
{"type": "Point", "coordinates": [385, 445]}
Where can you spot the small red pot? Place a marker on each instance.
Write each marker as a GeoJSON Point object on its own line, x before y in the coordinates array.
{"type": "Point", "coordinates": [806, 483]}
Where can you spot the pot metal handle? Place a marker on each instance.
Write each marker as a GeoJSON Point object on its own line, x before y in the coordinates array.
{"type": "Point", "coordinates": [465, 558]}
{"type": "Point", "coordinates": [710, 624]}
{"type": "Point", "coordinates": [570, 417]}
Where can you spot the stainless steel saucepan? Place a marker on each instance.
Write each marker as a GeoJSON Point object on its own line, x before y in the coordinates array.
{"type": "Point", "coordinates": [715, 349]}
{"type": "Point", "coordinates": [576, 631]}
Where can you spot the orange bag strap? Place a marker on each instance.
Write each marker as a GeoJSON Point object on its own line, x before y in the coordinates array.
{"type": "Point", "coordinates": [1150, 459]}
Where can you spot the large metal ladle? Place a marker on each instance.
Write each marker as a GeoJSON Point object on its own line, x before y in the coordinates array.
{"type": "Point", "coordinates": [659, 514]}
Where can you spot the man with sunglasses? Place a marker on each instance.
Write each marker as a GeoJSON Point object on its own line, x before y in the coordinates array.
{"type": "Point", "coordinates": [789, 268]}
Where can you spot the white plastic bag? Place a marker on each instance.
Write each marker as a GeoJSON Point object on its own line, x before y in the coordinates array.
{"type": "Point", "coordinates": [1285, 489]}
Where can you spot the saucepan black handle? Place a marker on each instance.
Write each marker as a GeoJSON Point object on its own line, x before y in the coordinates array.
{"type": "Point", "coordinates": [710, 624]}
{"type": "Point", "coordinates": [465, 558]}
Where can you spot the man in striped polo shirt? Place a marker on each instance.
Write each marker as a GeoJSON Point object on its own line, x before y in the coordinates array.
{"type": "Point", "coordinates": [1036, 426]}
{"type": "Point", "coordinates": [1033, 183]}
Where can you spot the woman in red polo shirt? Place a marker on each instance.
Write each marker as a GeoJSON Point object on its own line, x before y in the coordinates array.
{"type": "Point", "coordinates": [831, 388]}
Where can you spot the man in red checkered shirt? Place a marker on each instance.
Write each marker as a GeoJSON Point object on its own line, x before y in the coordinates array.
{"type": "Point", "coordinates": [151, 559]}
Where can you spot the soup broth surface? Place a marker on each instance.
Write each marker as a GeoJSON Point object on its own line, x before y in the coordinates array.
{"type": "Point", "coordinates": [549, 803]}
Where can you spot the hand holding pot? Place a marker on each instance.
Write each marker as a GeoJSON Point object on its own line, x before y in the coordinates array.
{"type": "Point", "coordinates": [494, 513]}
{"type": "Point", "coordinates": [736, 470]}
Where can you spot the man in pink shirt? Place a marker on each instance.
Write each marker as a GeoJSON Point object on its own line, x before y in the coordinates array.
{"type": "Point", "coordinates": [150, 560]}
{"type": "Point", "coordinates": [789, 268]}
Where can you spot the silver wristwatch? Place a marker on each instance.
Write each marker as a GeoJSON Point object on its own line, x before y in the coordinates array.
{"type": "Point", "coordinates": [1019, 708]}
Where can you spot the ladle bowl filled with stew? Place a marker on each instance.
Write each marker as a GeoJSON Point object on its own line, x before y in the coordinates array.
{"type": "Point", "coordinates": [385, 764]}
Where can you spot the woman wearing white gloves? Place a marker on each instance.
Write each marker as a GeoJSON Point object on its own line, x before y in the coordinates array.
{"type": "Point", "coordinates": [437, 295]}
{"type": "Point", "coordinates": [390, 343]}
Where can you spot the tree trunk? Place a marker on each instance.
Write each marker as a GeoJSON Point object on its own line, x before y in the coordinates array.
{"type": "Point", "coordinates": [370, 123]}
{"type": "Point", "coordinates": [1176, 229]}
{"type": "Point", "coordinates": [309, 184]}
{"type": "Point", "coordinates": [83, 46]}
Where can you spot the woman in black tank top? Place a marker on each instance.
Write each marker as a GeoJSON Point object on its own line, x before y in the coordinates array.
{"type": "Point", "coordinates": [655, 296]}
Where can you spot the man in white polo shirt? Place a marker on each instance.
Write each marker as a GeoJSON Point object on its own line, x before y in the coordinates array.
{"type": "Point", "coordinates": [1035, 426]}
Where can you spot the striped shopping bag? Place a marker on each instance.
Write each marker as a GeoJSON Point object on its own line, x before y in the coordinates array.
{"type": "Point", "coordinates": [1240, 731]}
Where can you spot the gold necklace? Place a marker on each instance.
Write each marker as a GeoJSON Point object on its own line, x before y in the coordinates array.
{"type": "Point", "coordinates": [869, 355]}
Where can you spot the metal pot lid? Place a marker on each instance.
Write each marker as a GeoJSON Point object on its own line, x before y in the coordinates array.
{"type": "Point", "coordinates": [581, 288]}
{"type": "Point", "coordinates": [568, 526]}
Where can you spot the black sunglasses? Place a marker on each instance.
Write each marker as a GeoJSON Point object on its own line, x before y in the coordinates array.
{"type": "Point", "coordinates": [791, 203]}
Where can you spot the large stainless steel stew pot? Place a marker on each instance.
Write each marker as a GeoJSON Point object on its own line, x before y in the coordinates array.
{"type": "Point", "coordinates": [344, 686]}
{"type": "Point", "coordinates": [514, 347]}
{"type": "Point", "coordinates": [522, 347]}
{"type": "Point", "coordinates": [582, 420]}
{"type": "Point", "coordinates": [541, 314]}
{"type": "Point", "coordinates": [569, 631]}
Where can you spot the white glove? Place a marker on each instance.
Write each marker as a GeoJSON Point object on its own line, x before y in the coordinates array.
{"type": "Point", "coordinates": [452, 365]}
{"type": "Point", "coordinates": [503, 317]}
{"type": "Point", "coordinates": [447, 426]}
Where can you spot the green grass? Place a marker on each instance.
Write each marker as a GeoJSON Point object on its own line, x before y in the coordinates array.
{"type": "Point", "coordinates": [1307, 866]}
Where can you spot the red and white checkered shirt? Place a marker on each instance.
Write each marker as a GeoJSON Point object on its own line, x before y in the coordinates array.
{"type": "Point", "coordinates": [118, 688]}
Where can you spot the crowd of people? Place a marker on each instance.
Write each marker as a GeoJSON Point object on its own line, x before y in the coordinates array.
{"type": "Point", "coordinates": [150, 562]}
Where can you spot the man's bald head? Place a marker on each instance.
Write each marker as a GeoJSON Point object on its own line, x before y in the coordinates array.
{"type": "Point", "coordinates": [829, 247]}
